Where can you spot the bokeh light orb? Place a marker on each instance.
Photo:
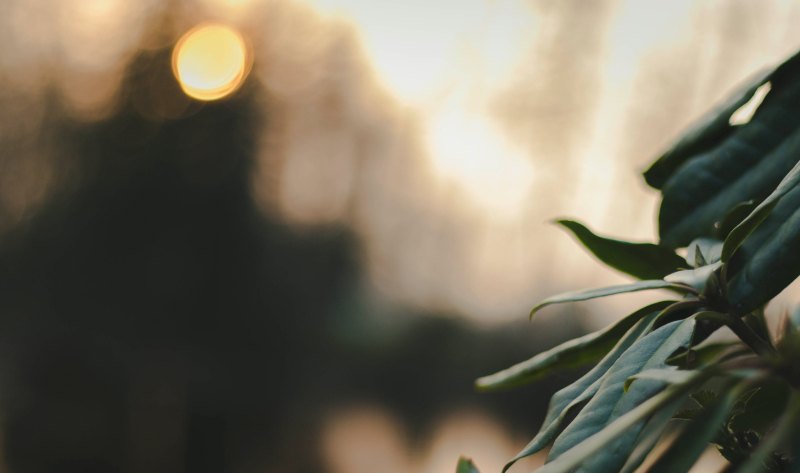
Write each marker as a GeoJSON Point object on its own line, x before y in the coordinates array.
{"type": "Point", "coordinates": [211, 61]}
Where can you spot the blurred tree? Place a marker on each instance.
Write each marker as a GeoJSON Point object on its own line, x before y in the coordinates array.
{"type": "Point", "coordinates": [154, 319]}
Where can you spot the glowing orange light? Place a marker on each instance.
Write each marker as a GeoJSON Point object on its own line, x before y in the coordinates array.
{"type": "Point", "coordinates": [211, 61]}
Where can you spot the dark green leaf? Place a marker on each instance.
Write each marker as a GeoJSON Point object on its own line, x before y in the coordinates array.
{"type": "Point", "coordinates": [747, 165]}
{"type": "Point", "coordinates": [570, 399]}
{"type": "Point", "coordinates": [571, 354]}
{"type": "Point", "coordinates": [740, 408]}
{"type": "Point", "coordinates": [640, 260]}
{"type": "Point", "coordinates": [704, 397]}
{"type": "Point", "coordinates": [714, 127]}
{"type": "Point", "coordinates": [757, 322]}
{"type": "Point", "coordinates": [763, 407]}
{"type": "Point", "coordinates": [612, 402]}
{"type": "Point", "coordinates": [465, 465]}
{"type": "Point", "coordinates": [697, 357]}
{"type": "Point", "coordinates": [788, 424]}
{"type": "Point", "coordinates": [769, 259]}
{"type": "Point", "coordinates": [759, 214]}
{"type": "Point", "coordinates": [707, 132]}
{"type": "Point", "coordinates": [711, 315]}
{"type": "Point", "coordinates": [694, 438]}
{"type": "Point", "coordinates": [733, 218]}
{"type": "Point", "coordinates": [608, 291]}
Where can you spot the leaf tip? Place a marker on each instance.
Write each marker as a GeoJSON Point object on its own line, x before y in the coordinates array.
{"type": "Point", "coordinates": [466, 465]}
{"type": "Point", "coordinates": [533, 311]}
{"type": "Point", "coordinates": [483, 384]}
{"type": "Point", "coordinates": [628, 383]}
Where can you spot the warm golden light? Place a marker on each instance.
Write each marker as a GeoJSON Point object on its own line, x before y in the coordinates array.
{"type": "Point", "coordinates": [745, 113]}
{"type": "Point", "coordinates": [211, 61]}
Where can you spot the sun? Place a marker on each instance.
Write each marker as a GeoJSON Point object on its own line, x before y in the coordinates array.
{"type": "Point", "coordinates": [211, 61]}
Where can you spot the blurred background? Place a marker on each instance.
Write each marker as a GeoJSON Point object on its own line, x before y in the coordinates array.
{"type": "Point", "coordinates": [285, 235]}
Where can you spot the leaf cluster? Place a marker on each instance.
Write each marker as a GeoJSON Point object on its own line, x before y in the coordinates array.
{"type": "Point", "coordinates": [731, 199]}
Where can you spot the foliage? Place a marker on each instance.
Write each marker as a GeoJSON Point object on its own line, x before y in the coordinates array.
{"type": "Point", "coordinates": [731, 199]}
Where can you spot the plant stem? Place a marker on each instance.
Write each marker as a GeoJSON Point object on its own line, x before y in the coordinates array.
{"type": "Point", "coordinates": [747, 335]}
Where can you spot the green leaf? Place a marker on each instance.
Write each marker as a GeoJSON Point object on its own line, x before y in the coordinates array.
{"type": "Point", "coordinates": [577, 296]}
{"type": "Point", "coordinates": [697, 357]}
{"type": "Point", "coordinates": [747, 165]}
{"type": "Point", "coordinates": [757, 322]}
{"type": "Point", "coordinates": [571, 354]}
{"type": "Point", "coordinates": [465, 465]}
{"type": "Point", "coordinates": [740, 408]}
{"type": "Point", "coordinates": [640, 260]}
{"type": "Point", "coordinates": [596, 445]}
{"type": "Point", "coordinates": [787, 426]}
{"type": "Point", "coordinates": [651, 434]}
{"type": "Point", "coordinates": [734, 217]}
{"type": "Point", "coordinates": [692, 441]}
{"type": "Point", "coordinates": [763, 406]}
{"type": "Point", "coordinates": [768, 261]}
{"type": "Point", "coordinates": [695, 278]}
{"type": "Point", "coordinates": [706, 133]}
{"type": "Point", "coordinates": [570, 399]}
{"type": "Point", "coordinates": [704, 251]}
{"type": "Point", "coordinates": [759, 214]}
{"type": "Point", "coordinates": [612, 402]}
{"type": "Point", "coordinates": [702, 398]}
{"type": "Point", "coordinates": [666, 375]}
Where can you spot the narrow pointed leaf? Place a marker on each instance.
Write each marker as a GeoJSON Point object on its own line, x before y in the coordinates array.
{"type": "Point", "coordinates": [651, 434]}
{"type": "Point", "coordinates": [693, 440]}
{"type": "Point", "coordinates": [571, 354]}
{"type": "Point", "coordinates": [757, 216]}
{"type": "Point", "coordinates": [640, 260]}
{"type": "Point", "coordinates": [612, 402]}
{"type": "Point", "coordinates": [769, 259]}
{"type": "Point", "coordinates": [577, 296]}
{"type": "Point", "coordinates": [570, 399]}
{"type": "Point", "coordinates": [597, 443]}
{"type": "Point", "coordinates": [733, 218]}
{"type": "Point", "coordinates": [757, 322]}
{"type": "Point", "coordinates": [698, 357]}
{"type": "Point", "coordinates": [666, 375]}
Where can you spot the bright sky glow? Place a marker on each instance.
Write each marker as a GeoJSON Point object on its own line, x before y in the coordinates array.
{"type": "Point", "coordinates": [445, 61]}
{"type": "Point", "coordinates": [211, 61]}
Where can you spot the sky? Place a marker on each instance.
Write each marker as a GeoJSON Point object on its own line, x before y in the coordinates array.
{"type": "Point", "coordinates": [445, 135]}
